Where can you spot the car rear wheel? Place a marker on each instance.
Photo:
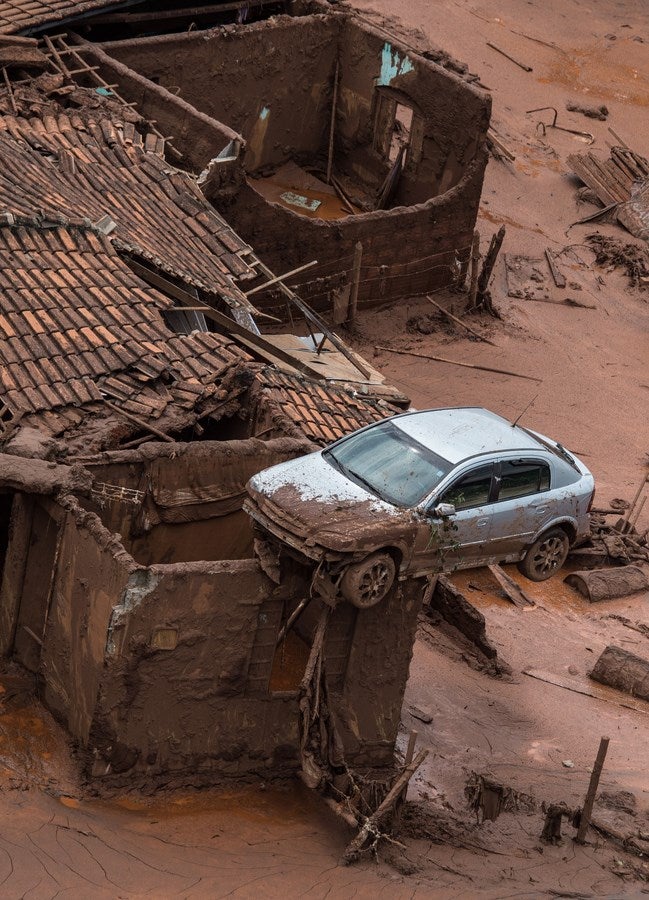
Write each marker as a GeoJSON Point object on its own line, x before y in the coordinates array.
{"type": "Point", "coordinates": [367, 582]}
{"type": "Point", "coordinates": [546, 555]}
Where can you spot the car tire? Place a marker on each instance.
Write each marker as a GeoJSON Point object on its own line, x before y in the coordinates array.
{"type": "Point", "coordinates": [366, 583]}
{"type": "Point", "coordinates": [546, 555]}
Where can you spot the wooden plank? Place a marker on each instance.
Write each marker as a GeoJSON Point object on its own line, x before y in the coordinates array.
{"type": "Point", "coordinates": [513, 590]}
{"type": "Point", "coordinates": [575, 687]}
{"type": "Point", "coordinates": [559, 277]}
{"type": "Point", "coordinates": [249, 339]}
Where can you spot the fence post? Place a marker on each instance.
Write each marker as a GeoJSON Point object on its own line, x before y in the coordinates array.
{"type": "Point", "coordinates": [355, 283]}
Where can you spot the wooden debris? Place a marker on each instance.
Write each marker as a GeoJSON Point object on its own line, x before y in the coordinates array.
{"type": "Point", "coordinates": [145, 426]}
{"type": "Point", "coordinates": [513, 591]}
{"type": "Point", "coordinates": [332, 124]}
{"type": "Point", "coordinates": [624, 671]}
{"type": "Point", "coordinates": [521, 65]}
{"type": "Point", "coordinates": [619, 182]}
{"type": "Point", "coordinates": [584, 819]}
{"type": "Point", "coordinates": [607, 584]}
{"type": "Point", "coordinates": [370, 828]}
{"type": "Point", "coordinates": [455, 362]}
{"type": "Point", "coordinates": [554, 812]}
{"type": "Point", "coordinates": [475, 263]}
{"type": "Point", "coordinates": [497, 142]}
{"type": "Point", "coordinates": [574, 686]}
{"type": "Point", "coordinates": [355, 283]}
{"type": "Point", "coordinates": [277, 278]}
{"type": "Point", "coordinates": [483, 299]}
{"type": "Point", "coordinates": [12, 99]}
{"type": "Point", "coordinates": [455, 319]}
{"type": "Point", "coordinates": [559, 277]}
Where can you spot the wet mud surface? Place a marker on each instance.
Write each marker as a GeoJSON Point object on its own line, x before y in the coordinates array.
{"type": "Point", "coordinates": [58, 839]}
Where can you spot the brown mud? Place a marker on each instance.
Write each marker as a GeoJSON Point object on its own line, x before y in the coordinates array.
{"type": "Point", "coordinates": [56, 838]}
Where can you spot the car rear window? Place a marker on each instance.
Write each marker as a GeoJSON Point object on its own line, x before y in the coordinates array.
{"type": "Point", "coordinates": [389, 463]}
{"type": "Point", "coordinates": [521, 478]}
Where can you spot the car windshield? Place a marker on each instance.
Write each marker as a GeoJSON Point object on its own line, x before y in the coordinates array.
{"type": "Point", "coordinates": [389, 463]}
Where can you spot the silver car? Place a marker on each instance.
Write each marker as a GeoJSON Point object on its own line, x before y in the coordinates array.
{"type": "Point", "coordinates": [427, 492]}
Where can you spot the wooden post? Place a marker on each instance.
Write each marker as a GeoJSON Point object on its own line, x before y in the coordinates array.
{"type": "Point", "coordinates": [592, 790]}
{"type": "Point", "coordinates": [355, 283]}
{"type": "Point", "coordinates": [475, 263]}
{"type": "Point", "coordinates": [483, 299]}
{"type": "Point", "coordinates": [332, 125]}
{"type": "Point", "coordinates": [410, 752]}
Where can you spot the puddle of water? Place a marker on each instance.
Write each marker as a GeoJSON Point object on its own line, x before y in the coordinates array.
{"type": "Point", "coordinates": [551, 594]}
{"type": "Point", "coordinates": [251, 805]}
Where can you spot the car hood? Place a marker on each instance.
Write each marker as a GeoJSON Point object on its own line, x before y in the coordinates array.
{"type": "Point", "coordinates": [311, 498]}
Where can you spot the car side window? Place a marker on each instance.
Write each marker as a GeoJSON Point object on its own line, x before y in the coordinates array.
{"type": "Point", "coordinates": [472, 489]}
{"type": "Point", "coordinates": [521, 478]}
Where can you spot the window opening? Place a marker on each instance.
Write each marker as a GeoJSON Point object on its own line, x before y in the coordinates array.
{"type": "Point", "coordinates": [401, 129]}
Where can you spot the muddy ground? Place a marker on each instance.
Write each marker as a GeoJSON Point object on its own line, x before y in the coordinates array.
{"type": "Point", "coordinates": [56, 839]}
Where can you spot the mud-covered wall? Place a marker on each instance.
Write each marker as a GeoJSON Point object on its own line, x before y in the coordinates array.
{"type": "Point", "coordinates": [273, 83]}
{"type": "Point", "coordinates": [449, 122]}
{"type": "Point", "coordinates": [196, 135]}
{"type": "Point", "coordinates": [180, 690]}
{"type": "Point", "coordinates": [368, 709]}
{"type": "Point", "coordinates": [270, 84]}
{"type": "Point", "coordinates": [89, 575]}
{"type": "Point", "coordinates": [183, 501]}
{"type": "Point", "coordinates": [423, 258]}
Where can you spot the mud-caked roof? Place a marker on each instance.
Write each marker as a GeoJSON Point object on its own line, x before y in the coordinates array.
{"type": "Point", "coordinates": [18, 16]}
{"type": "Point", "coordinates": [65, 165]}
{"type": "Point", "coordinates": [320, 411]}
{"type": "Point", "coordinates": [79, 328]}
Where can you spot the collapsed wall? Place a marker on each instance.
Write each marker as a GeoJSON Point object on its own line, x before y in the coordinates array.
{"type": "Point", "coordinates": [281, 105]}
{"type": "Point", "coordinates": [160, 665]}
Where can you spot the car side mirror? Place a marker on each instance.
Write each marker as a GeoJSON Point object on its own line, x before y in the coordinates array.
{"type": "Point", "coordinates": [444, 510]}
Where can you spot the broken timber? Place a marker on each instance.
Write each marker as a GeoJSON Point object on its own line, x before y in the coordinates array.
{"type": "Point", "coordinates": [254, 342]}
{"type": "Point", "coordinates": [455, 362]}
{"type": "Point", "coordinates": [559, 277]}
{"type": "Point", "coordinates": [370, 826]}
{"type": "Point", "coordinates": [513, 591]}
{"type": "Point", "coordinates": [455, 319]}
{"type": "Point", "coordinates": [312, 319]}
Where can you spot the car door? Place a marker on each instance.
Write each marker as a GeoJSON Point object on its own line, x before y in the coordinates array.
{"type": "Point", "coordinates": [460, 540]}
{"type": "Point", "coordinates": [524, 504]}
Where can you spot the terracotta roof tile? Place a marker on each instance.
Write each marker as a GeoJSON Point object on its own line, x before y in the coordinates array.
{"type": "Point", "coordinates": [160, 214]}
{"type": "Point", "coordinates": [321, 412]}
{"type": "Point", "coordinates": [103, 331]}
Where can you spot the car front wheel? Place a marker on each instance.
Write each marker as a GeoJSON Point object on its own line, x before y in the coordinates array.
{"type": "Point", "coordinates": [367, 582]}
{"type": "Point", "coordinates": [546, 555]}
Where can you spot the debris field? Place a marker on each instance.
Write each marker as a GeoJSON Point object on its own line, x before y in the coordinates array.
{"type": "Point", "coordinates": [231, 234]}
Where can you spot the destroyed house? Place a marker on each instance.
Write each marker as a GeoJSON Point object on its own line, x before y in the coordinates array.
{"type": "Point", "coordinates": [340, 137]}
{"type": "Point", "coordinates": [128, 581]}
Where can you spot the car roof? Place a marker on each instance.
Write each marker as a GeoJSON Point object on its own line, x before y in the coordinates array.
{"type": "Point", "coordinates": [459, 433]}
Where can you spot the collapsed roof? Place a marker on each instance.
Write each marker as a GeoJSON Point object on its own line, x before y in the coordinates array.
{"type": "Point", "coordinates": [17, 16]}
{"type": "Point", "coordinates": [68, 165]}
{"type": "Point", "coordinates": [79, 328]}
